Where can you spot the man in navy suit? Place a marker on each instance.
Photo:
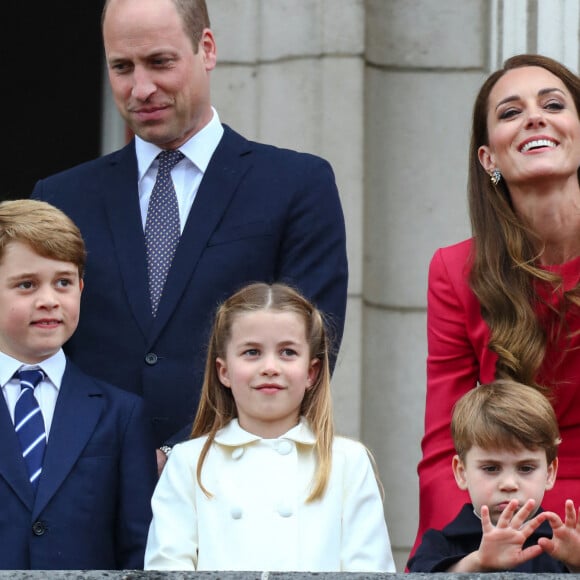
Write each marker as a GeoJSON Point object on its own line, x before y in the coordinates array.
{"type": "Point", "coordinates": [247, 212]}
{"type": "Point", "coordinates": [77, 468]}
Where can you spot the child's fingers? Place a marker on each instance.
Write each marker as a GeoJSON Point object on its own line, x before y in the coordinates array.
{"type": "Point", "coordinates": [486, 524]}
{"type": "Point", "coordinates": [523, 514]}
{"type": "Point", "coordinates": [530, 526]}
{"type": "Point", "coordinates": [547, 545]}
{"type": "Point", "coordinates": [505, 518]}
{"type": "Point", "coordinates": [531, 552]}
{"type": "Point", "coordinates": [570, 519]}
{"type": "Point", "coordinates": [553, 519]}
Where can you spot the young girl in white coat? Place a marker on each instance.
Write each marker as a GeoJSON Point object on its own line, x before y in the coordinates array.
{"type": "Point", "coordinates": [264, 484]}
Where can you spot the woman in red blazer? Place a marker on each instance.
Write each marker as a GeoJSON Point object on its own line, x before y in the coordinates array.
{"type": "Point", "coordinates": [506, 303]}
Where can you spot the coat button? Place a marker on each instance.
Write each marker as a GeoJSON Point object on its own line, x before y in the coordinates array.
{"type": "Point", "coordinates": [236, 512]}
{"type": "Point", "coordinates": [285, 510]}
{"type": "Point", "coordinates": [151, 358]}
{"type": "Point", "coordinates": [285, 447]}
{"type": "Point", "coordinates": [237, 452]}
{"type": "Point", "coordinates": [38, 528]}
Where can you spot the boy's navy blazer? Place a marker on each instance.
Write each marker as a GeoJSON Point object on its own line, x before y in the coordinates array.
{"type": "Point", "coordinates": [260, 214]}
{"type": "Point", "coordinates": [92, 507]}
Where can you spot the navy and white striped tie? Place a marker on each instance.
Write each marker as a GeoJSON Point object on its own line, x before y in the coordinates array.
{"type": "Point", "coordinates": [29, 424]}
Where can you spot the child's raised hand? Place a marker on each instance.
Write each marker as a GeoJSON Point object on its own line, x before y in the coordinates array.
{"type": "Point", "coordinates": [501, 545]}
{"type": "Point", "coordinates": [565, 542]}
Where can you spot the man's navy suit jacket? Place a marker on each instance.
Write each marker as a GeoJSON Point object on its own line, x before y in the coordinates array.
{"type": "Point", "coordinates": [261, 214]}
{"type": "Point", "coordinates": [92, 507]}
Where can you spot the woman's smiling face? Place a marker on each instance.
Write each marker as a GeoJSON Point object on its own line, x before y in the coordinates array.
{"type": "Point", "coordinates": [533, 127]}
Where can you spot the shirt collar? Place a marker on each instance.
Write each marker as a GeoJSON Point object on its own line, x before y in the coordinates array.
{"type": "Point", "coordinates": [199, 149]}
{"type": "Point", "coordinates": [53, 367]}
{"type": "Point", "coordinates": [233, 435]}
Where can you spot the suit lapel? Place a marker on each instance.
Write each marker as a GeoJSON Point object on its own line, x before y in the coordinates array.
{"type": "Point", "coordinates": [12, 466]}
{"type": "Point", "coordinates": [78, 409]}
{"type": "Point", "coordinates": [121, 197]}
{"type": "Point", "coordinates": [228, 165]}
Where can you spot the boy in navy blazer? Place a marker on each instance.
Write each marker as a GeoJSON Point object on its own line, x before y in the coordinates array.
{"type": "Point", "coordinates": [87, 503]}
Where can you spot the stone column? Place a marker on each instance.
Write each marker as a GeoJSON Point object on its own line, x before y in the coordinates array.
{"type": "Point", "coordinates": [424, 63]}
{"type": "Point", "coordinates": [291, 73]}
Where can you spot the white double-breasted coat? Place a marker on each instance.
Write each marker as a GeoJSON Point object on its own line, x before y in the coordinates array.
{"type": "Point", "coordinates": [257, 517]}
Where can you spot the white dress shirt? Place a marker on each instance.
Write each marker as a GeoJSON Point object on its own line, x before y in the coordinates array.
{"type": "Point", "coordinates": [257, 518]}
{"type": "Point", "coordinates": [186, 175]}
{"type": "Point", "coordinates": [46, 392]}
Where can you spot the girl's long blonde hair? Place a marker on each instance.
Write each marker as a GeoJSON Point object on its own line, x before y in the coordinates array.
{"type": "Point", "coordinates": [217, 406]}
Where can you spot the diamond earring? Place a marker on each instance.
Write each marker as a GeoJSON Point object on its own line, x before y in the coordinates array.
{"type": "Point", "coordinates": [495, 176]}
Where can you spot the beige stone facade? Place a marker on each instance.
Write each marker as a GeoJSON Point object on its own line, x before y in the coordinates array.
{"type": "Point", "coordinates": [383, 89]}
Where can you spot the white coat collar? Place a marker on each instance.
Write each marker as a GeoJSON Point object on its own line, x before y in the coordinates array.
{"type": "Point", "coordinates": [233, 435]}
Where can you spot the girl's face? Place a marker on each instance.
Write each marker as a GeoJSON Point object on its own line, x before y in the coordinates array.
{"type": "Point", "coordinates": [533, 128]}
{"type": "Point", "coordinates": [269, 368]}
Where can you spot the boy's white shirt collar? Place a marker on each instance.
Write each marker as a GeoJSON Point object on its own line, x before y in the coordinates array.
{"type": "Point", "coordinates": [233, 435]}
{"type": "Point", "coordinates": [199, 149]}
{"type": "Point", "coordinates": [53, 367]}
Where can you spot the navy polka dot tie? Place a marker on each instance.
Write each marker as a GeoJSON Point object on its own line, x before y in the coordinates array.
{"type": "Point", "coordinates": [162, 227]}
{"type": "Point", "coordinates": [29, 424]}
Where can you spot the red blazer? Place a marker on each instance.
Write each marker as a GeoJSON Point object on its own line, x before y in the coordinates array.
{"type": "Point", "coordinates": [459, 358]}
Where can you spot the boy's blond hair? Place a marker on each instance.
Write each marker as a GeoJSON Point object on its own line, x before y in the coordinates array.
{"type": "Point", "coordinates": [505, 415]}
{"type": "Point", "coordinates": [43, 227]}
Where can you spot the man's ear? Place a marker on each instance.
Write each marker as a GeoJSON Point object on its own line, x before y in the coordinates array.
{"type": "Point", "coordinates": [222, 372]}
{"type": "Point", "coordinates": [207, 46]}
{"type": "Point", "coordinates": [459, 472]}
